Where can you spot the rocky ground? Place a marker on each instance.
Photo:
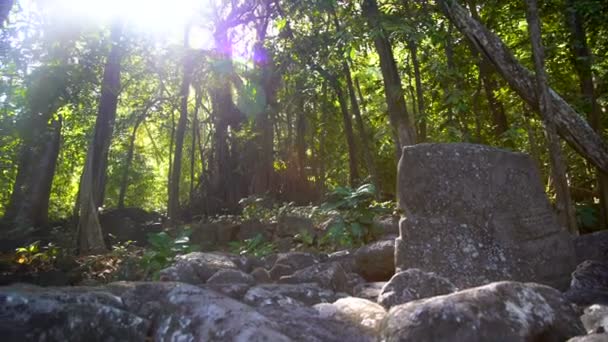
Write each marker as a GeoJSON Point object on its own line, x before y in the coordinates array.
{"type": "Point", "coordinates": [299, 296]}
{"type": "Point", "coordinates": [480, 257]}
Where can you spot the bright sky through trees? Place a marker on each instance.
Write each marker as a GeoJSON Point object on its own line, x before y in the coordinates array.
{"type": "Point", "coordinates": [160, 17]}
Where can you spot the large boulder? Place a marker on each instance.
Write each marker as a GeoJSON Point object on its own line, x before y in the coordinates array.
{"type": "Point", "coordinates": [210, 235]}
{"type": "Point", "coordinates": [592, 246]}
{"type": "Point", "coordinates": [595, 318]}
{"type": "Point", "coordinates": [196, 267]}
{"type": "Point", "coordinates": [411, 285]}
{"type": "Point", "coordinates": [30, 313]}
{"type": "Point", "coordinates": [376, 261]}
{"type": "Point", "coordinates": [129, 224]}
{"type": "Point", "coordinates": [306, 293]}
{"type": "Point", "coordinates": [589, 283]}
{"type": "Point", "coordinates": [303, 323]}
{"type": "Point", "coordinates": [185, 312]}
{"type": "Point", "coordinates": [297, 260]}
{"type": "Point", "coordinates": [358, 311]}
{"type": "Point", "coordinates": [503, 311]}
{"type": "Point", "coordinates": [327, 275]}
{"type": "Point", "coordinates": [476, 214]}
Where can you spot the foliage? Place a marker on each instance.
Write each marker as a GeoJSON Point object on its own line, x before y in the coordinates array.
{"type": "Point", "coordinates": [37, 257]}
{"type": "Point", "coordinates": [163, 250]}
{"type": "Point", "coordinates": [353, 214]}
{"type": "Point", "coordinates": [256, 246]}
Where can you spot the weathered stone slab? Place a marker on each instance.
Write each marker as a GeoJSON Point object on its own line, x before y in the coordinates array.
{"type": "Point", "coordinates": [476, 214]}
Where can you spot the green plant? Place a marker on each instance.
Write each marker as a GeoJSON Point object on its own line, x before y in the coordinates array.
{"type": "Point", "coordinates": [352, 213]}
{"type": "Point", "coordinates": [36, 256]}
{"type": "Point", "coordinates": [255, 246]}
{"type": "Point", "coordinates": [163, 250]}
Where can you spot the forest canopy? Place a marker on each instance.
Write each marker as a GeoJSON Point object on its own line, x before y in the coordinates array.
{"type": "Point", "coordinates": [186, 107]}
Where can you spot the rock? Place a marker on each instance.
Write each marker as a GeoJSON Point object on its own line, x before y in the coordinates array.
{"type": "Point", "coordinates": [477, 214]}
{"type": "Point", "coordinates": [327, 275]}
{"type": "Point", "coordinates": [196, 268]}
{"type": "Point", "coordinates": [503, 311]}
{"type": "Point", "coordinates": [595, 319]}
{"type": "Point", "coordinates": [188, 313]}
{"type": "Point", "coordinates": [251, 229]}
{"type": "Point", "coordinates": [30, 313]}
{"type": "Point", "coordinates": [231, 277]}
{"type": "Point", "coordinates": [308, 294]}
{"type": "Point", "coordinates": [211, 235]}
{"type": "Point", "coordinates": [592, 246]}
{"type": "Point", "coordinates": [305, 324]}
{"type": "Point", "coordinates": [376, 261]}
{"type": "Point", "coordinates": [346, 259]}
{"type": "Point", "coordinates": [280, 270]}
{"type": "Point", "coordinates": [129, 224]}
{"type": "Point", "coordinates": [590, 338]}
{"type": "Point", "coordinates": [369, 291]}
{"type": "Point", "coordinates": [367, 314]}
{"type": "Point", "coordinates": [234, 291]}
{"type": "Point", "coordinates": [386, 225]}
{"type": "Point", "coordinates": [260, 275]}
{"type": "Point", "coordinates": [284, 245]}
{"type": "Point", "coordinates": [297, 260]}
{"type": "Point", "coordinates": [353, 280]}
{"type": "Point", "coordinates": [589, 283]}
{"type": "Point", "coordinates": [411, 285]}
{"type": "Point", "coordinates": [289, 226]}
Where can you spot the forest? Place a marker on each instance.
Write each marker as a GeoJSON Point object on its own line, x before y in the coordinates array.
{"type": "Point", "coordinates": [304, 170]}
{"type": "Point", "coordinates": [198, 109]}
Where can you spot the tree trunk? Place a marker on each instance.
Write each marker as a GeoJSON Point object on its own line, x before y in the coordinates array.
{"type": "Point", "coordinates": [573, 128]}
{"type": "Point", "coordinates": [300, 146]}
{"type": "Point", "coordinates": [350, 137]}
{"type": "Point", "coordinates": [499, 117]}
{"type": "Point", "coordinates": [124, 183]}
{"type": "Point", "coordinates": [397, 110]}
{"type": "Point", "coordinates": [365, 138]}
{"type": "Point", "coordinates": [44, 98]}
{"type": "Point", "coordinates": [581, 58]}
{"type": "Point", "coordinates": [195, 128]}
{"type": "Point", "coordinates": [90, 236]}
{"type": "Point", "coordinates": [422, 134]}
{"type": "Point", "coordinates": [188, 68]}
{"type": "Point", "coordinates": [558, 168]}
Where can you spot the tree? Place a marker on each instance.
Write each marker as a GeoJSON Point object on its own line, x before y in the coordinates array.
{"type": "Point", "coordinates": [564, 203]}
{"type": "Point", "coordinates": [397, 110]}
{"type": "Point", "coordinates": [569, 124]}
{"type": "Point", "coordinates": [92, 183]}
{"type": "Point", "coordinates": [176, 170]}
{"type": "Point", "coordinates": [28, 206]}
{"type": "Point", "coordinates": [581, 58]}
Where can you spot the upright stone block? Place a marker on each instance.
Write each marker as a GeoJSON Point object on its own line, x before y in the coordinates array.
{"type": "Point", "coordinates": [476, 214]}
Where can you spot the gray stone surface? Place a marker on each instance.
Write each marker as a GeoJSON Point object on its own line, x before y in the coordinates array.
{"type": "Point", "coordinates": [590, 338]}
{"type": "Point", "coordinates": [185, 312]}
{"type": "Point", "coordinates": [595, 318]}
{"type": "Point", "coordinates": [361, 312]}
{"type": "Point", "coordinates": [30, 313]}
{"type": "Point", "coordinates": [376, 261]}
{"type": "Point", "coordinates": [592, 246]}
{"type": "Point", "coordinates": [503, 311]}
{"type": "Point", "coordinates": [327, 275]}
{"type": "Point", "coordinates": [196, 267]}
{"type": "Point", "coordinates": [230, 276]}
{"type": "Point", "coordinates": [411, 285]}
{"type": "Point", "coordinates": [589, 283]}
{"type": "Point", "coordinates": [476, 214]}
